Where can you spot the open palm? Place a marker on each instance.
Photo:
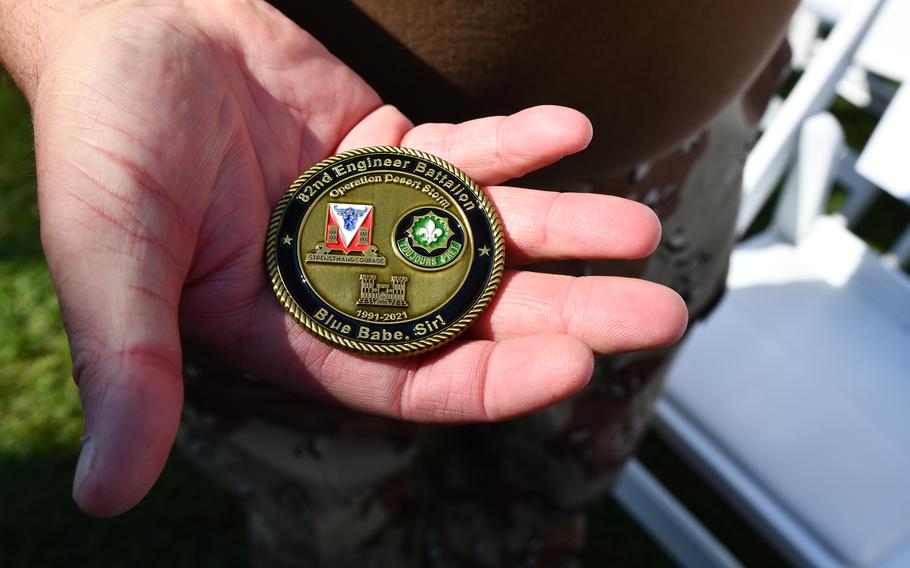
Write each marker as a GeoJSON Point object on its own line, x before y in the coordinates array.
{"type": "Point", "coordinates": [166, 133]}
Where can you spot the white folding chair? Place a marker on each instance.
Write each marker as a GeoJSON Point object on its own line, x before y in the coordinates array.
{"type": "Point", "coordinates": [793, 398]}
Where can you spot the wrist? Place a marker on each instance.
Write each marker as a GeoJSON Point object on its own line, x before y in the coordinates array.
{"type": "Point", "coordinates": [30, 29]}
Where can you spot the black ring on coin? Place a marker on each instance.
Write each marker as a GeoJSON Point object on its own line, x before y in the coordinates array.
{"type": "Point", "coordinates": [385, 251]}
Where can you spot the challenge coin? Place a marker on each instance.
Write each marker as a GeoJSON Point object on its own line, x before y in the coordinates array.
{"type": "Point", "coordinates": [385, 251]}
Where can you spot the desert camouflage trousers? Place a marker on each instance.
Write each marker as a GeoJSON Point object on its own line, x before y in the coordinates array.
{"type": "Point", "coordinates": [328, 487]}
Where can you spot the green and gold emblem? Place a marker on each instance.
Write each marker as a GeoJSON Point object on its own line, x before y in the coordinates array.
{"type": "Point", "coordinates": [433, 238]}
{"type": "Point", "coordinates": [385, 251]}
{"type": "Point", "coordinates": [429, 231]}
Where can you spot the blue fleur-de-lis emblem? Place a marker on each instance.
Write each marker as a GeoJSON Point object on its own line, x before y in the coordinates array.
{"type": "Point", "coordinates": [350, 216]}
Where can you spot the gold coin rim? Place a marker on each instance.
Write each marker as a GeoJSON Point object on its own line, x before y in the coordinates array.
{"type": "Point", "coordinates": [407, 348]}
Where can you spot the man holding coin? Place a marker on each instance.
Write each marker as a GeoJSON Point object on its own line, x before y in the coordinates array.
{"type": "Point", "coordinates": [166, 133]}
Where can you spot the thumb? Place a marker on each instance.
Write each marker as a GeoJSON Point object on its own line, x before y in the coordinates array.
{"type": "Point", "coordinates": [109, 235]}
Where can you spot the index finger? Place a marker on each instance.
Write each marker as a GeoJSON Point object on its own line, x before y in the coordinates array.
{"type": "Point", "coordinates": [494, 149]}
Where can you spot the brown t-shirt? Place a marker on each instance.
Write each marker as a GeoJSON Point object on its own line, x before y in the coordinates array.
{"type": "Point", "coordinates": [648, 73]}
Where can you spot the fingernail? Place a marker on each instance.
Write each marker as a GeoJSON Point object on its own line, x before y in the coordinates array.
{"type": "Point", "coordinates": [85, 464]}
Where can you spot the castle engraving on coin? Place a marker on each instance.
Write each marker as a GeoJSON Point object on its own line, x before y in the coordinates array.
{"type": "Point", "coordinates": [385, 251]}
{"type": "Point", "coordinates": [390, 294]}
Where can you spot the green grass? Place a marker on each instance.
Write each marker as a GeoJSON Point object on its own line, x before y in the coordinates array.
{"type": "Point", "coordinates": [185, 521]}
{"type": "Point", "coordinates": [38, 404]}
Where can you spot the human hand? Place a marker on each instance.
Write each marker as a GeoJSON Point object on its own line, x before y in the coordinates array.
{"type": "Point", "coordinates": [166, 132]}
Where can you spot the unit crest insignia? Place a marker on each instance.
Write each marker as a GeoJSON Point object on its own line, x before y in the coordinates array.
{"type": "Point", "coordinates": [348, 236]}
{"type": "Point", "coordinates": [429, 238]}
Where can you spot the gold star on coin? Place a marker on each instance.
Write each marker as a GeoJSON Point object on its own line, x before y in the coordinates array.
{"type": "Point", "coordinates": [286, 240]}
{"type": "Point", "coordinates": [484, 250]}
